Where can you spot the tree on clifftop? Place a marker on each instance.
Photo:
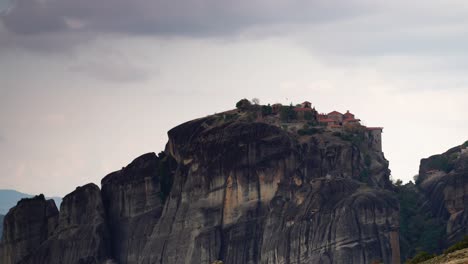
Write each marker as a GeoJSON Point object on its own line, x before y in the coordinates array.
{"type": "Point", "coordinates": [287, 113]}
{"type": "Point", "coordinates": [243, 104]}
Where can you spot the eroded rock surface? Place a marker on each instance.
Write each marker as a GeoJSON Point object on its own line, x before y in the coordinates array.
{"type": "Point", "coordinates": [134, 199]}
{"type": "Point", "coordinates": [27, 225]}
{"type": "Point", "coordinates": [78, 235]}
{"type": "Point", "coordinates": [253, 193]}
{"type": "Point", "coordinates": [236, 191]}
{"type": "Point", "coordinates": [444, 180]}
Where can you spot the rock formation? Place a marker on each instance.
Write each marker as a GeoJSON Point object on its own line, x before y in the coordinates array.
{"type": "Point", "coordinates": [78, 235]}
{"type": "Point", "coordinates": [226, 189]}
{"type": "Point", "coordinates": [26, 226]}
{"type": "Point", "coordinates": [134, 199]}
{"type": "Point", "coordinates": [444, 180]}
{"type": "Point", "coordinates": [1, 225]}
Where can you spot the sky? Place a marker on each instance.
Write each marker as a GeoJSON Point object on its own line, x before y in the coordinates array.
{"type": "Point", "coordinates": [87, 86]}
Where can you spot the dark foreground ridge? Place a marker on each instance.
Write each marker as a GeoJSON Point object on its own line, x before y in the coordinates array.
{"type": "Point", "coordinates": [253, 185]}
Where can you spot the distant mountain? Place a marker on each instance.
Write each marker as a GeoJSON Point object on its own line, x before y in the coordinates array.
{"type": "Point", "coordinates": [9, 198]}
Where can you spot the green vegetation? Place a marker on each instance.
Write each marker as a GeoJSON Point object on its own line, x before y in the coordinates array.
{"type": "Point", "coordinates": [230, 117]}
{"type": "Point", "coordinates": [460, 245]}
{"type": "Point", "coordinates": [420, 257]}
{"type": "Point", "coordinates": [465, 144]}
{"type": "Point", "coordinates": [337, 134]}
{"type": "Point", "coordinates": [353, 134]}
{"type": "Point", "coordinates": [267, 110]}
{"type": "Point", "coordinates": [446, 257]}
{"type": "Point", "coordinates": [307, 130]}
{"type": "Point", "coordinates": [398, 183]}
{"type": "Point", "coordinates": [441, 163]}
{"type": "Point", "coordinates": [243, 104]}
{"type": "Point", "coordinates": [287, 113]}
{"type": "Point", "coordinates": [308, 116]}
{"type": "Point", "coordinates": [419, 229]}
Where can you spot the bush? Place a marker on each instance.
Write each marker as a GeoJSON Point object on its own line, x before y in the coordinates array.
{"type": "Point", "coordinates": [243, 104]}
{"type": "Point", "coordinates": [420, 257]}
{"type": "Point", "coordinates": [230, 117]}
{"type": "Point", "coordinates": [267, 110]}
{"type": "Point", "coordinates": [308, 131]}
{"type": "Point", "coordinates": [465, 144]}
{"type": "Point", "coordinates": [460, 245]}
{"type": "Point", "coordinates": [419, 229]}
{"type": "Point", "coordinates": [308, 116]}
{"type": "Point", "coordinates": [398, 183]}
{"type": "Point", "coordinates": [337, 134]}
{"type": "Point", "coordinates": [287, 113]}
{"type": "Point", "coordinates": [441, 163]}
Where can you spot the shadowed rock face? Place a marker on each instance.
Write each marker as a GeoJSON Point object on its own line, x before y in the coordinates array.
{"type": "Point", "coordinates": [444, 180]}
{"type": "Point", "coordinates": [1, 225]}
{"type": "Point", "coordinates": [78, 235]}
{"type": "Point", "coordinates": [134, 199]}
{"type": "Point", "coordinates": [26, 226]}
{"type": "Point", "coordinates": [241, 192]}
{"type": "Point", "coordinates": [253, 193]}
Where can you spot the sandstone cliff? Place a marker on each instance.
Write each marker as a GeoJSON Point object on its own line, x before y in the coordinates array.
{"type": "Point", "coordinates": [233, 190]}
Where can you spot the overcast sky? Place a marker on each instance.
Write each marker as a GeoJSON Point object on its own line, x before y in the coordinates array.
{"type": "Point", "coordinates": [87, 86]}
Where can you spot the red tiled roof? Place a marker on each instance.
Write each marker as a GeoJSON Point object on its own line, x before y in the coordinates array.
{"type": "Point", "coordinates": [350, 119]}
{"type": "Point", "coordinates": [335, 126]}
{"type": "Point", "coordinates": [335, 113]}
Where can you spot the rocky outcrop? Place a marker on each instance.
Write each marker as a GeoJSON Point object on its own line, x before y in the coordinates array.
{"type": "Point", "coordinates": [78, 235]}
{"type": "Point", "coordinates": [237, 191]}
{"type": "Point", "coordinates": [444, 180]}
{"type": "Point", "coordinates": [81, 236]}
{"type": "Point", "coordinates": [134, 199]}
{"type": "Point", "coordinates": [1, 225]}
{"type": "Point", "coordinates": [27, 225]}
{"type": "Point", "coordinates": [254, 193]}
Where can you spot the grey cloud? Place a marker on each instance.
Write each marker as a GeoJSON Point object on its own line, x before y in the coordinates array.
{"type": "Point", "coordinates": [176, 17]}
{"type": "Point", "coordinates": [342, 28]}
{"type": "Point", "coordinates": [119, 71]}
{"type": "Point", "coordinates": [30, 16]}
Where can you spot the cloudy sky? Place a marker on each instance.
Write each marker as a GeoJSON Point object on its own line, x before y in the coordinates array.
{"type": "Point", "coordinates": [86, 86]}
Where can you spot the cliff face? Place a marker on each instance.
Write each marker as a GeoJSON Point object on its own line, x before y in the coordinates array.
{"type": "Point", "coordinates": [241, 192]}
{"type": "Point", "coordinates": [134, 198]}
{"type": "Point", "coordinates": [35, 233]}
{"type": "Point", "coordinates": [81, 235]}
{"type": "Point", "coordinates": [26, 226]}
{"type": "Point", "coordinates": [1, 224]}
{"type": "Point", "coordinates": [444, 180]}
{"type": "Point", "coordinates": [255, 193]}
